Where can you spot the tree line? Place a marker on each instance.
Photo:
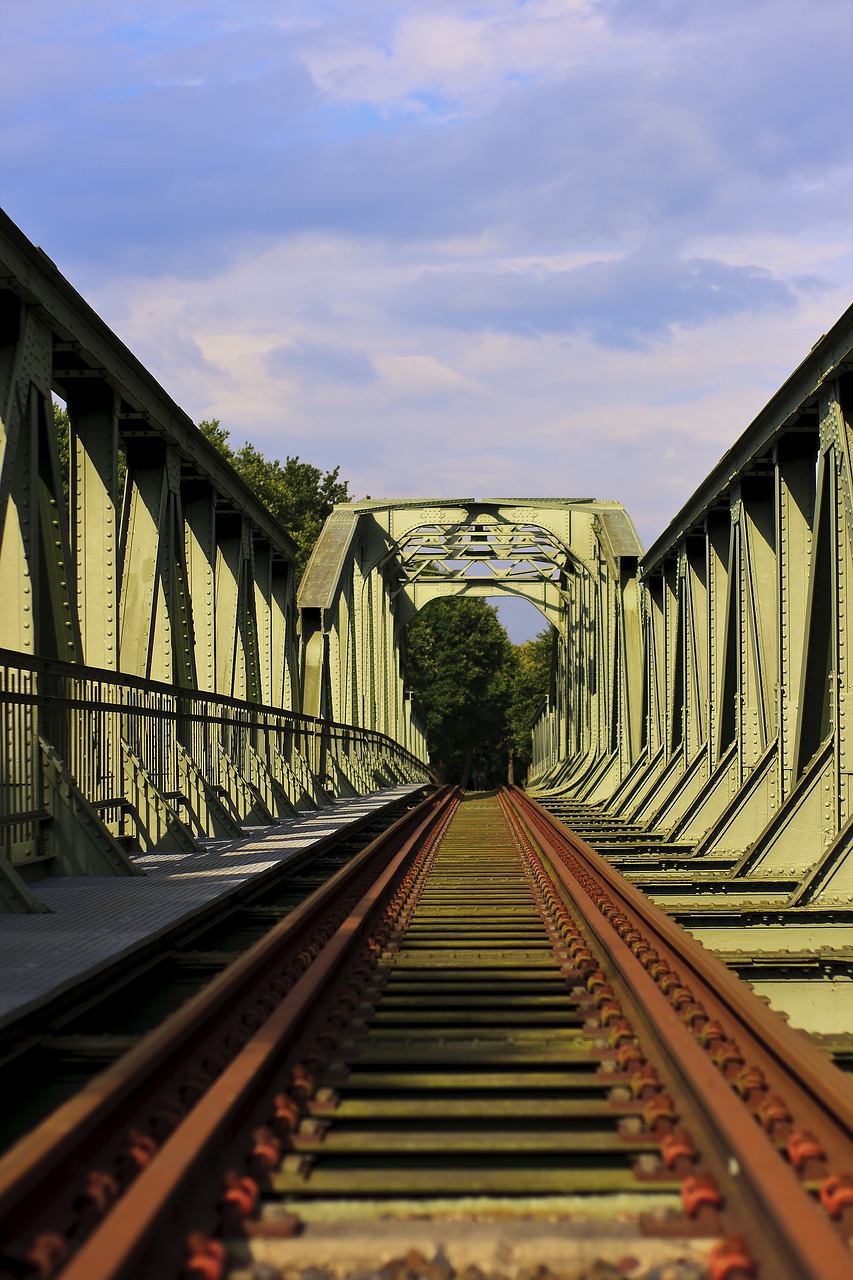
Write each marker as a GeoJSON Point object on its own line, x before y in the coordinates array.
{"type": "Point", "coordinates": [478, 692]}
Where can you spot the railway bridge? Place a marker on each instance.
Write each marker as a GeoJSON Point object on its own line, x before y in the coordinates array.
{"type": "Point", "coordinates": [215, 784]}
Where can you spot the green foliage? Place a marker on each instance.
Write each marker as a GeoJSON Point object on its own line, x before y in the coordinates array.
{"type": "Point", "coordinates": [62, 423]}
{"type": "Point", "coordinates": [299, 495]}
{"type": "Point", "coordinates": [457, 657]}
{"type": "Point", "coordinates": [530, 686]}
{"type": "Point", "coordinates": [474, 688]}
{"type": "Point", "coordinates": [478, 691]}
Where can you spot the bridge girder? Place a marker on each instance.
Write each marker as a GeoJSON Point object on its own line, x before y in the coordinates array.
{"type": "Point", "coordinates": [747, 642]}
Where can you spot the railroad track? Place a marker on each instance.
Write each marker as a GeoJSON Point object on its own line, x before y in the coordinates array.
{"type": "Point", "coordinates": [476, 1006]}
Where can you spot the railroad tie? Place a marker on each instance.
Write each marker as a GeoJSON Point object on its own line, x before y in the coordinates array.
{"type": "Point", "coordinates": [479, 1065]}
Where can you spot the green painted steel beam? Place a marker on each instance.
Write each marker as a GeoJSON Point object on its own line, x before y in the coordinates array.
{"type": "Point", "coordinates": [150, 606]}
{"type": "Point", "coordinates": [798, 395]}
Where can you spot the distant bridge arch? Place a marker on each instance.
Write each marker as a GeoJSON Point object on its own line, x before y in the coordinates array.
{"type": "Point", "coordinates": [378, 562]}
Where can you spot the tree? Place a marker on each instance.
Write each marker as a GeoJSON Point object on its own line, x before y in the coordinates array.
{"type": "Point", "coordinates": [460, 665]}
{"type": "Point", "coordinates": [299, 495]}
{"type": "Point", "coordinates": [530, 687]}
{"type": "Point", "coordinates": [479, 692]}
{"type": "Point", "coordinates": [62, 425]}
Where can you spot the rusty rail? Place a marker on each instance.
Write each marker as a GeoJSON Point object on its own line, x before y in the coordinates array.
{"type": "Point", "coordinates": [778, 1115]}
{"type": "Point", "coordinates": [78, 1172]}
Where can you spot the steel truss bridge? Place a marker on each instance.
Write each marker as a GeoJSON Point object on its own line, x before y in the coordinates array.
{"type": "Point", "coordinates": [170, 699]}
{"type": "Point", "coordinates": [163, 684]}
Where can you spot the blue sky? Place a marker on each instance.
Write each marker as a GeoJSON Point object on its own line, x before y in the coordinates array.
{"type": "Point", "coordinates": [557, 248]}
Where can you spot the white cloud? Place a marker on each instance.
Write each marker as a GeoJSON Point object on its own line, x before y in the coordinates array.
{"type": "Point", "coordinates": [419, 375]}
{"type": "Point", "coordinates": [449, 412]}
{"type": "Point", "coordinates": [253, 193]}
{"type": "Point", "coordinates": [464, 54]}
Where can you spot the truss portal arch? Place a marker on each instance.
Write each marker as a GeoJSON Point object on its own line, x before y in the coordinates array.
{"type": "Point", "coordinates": [576, 560]}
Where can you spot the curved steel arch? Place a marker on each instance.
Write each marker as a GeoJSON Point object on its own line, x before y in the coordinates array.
{"type": "Point", "coordinates": [576, 560]}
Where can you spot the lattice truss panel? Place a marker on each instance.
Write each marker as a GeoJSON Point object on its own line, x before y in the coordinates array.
{"type": "Point", "coordinates": [464, 552]}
